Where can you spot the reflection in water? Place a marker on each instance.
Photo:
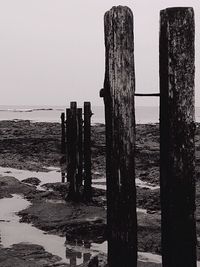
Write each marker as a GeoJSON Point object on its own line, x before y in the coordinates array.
{"type": "Point", "coordinates": [13, 232]}
{"type": "Point", "coordinates": [79, 253]}
{"type": "Point", "coordinates": [86, 257]}
{"type": "Point", "coordinates": [62, 177]}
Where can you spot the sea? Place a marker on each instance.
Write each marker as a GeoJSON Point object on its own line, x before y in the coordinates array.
{"type": "Point", "coordinates": [144, 114]}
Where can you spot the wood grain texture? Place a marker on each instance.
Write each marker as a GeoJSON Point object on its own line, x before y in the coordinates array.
{"type": "Point", "coordinates": [80, 149]}
{"type": "Point", "coordinates": [177, 129]}
{"type": "Point", "coordinates": [63, 134]}
{"type": "Point", "coordinates": [119, 87]}
{"type": "Point", "coordinates": [72, 152]}
{"type": "Point", "coordinates": [87, 152]}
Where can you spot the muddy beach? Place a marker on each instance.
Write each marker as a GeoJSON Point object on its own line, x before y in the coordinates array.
{"type": "Point", "coordinates": [69, 234]}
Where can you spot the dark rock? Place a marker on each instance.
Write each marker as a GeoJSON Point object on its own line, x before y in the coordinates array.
{"type": "Point", "coordinates": [61, 188]}
{"type": "Point", "coordinates": [28, 255]}
{"type": "Point", "coordinates": [10, 185]}
{"type": "Point", "coordinates": [32, 180]}
{"type": "Point", "coordinates": [98, 261]}
{"type": "Point", "coordinates": [94, 262]}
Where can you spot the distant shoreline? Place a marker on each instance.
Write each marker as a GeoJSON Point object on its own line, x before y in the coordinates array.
{"type": "Point", "coordinates": [143, 115]}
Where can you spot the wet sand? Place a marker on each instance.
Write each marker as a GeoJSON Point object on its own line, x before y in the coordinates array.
{"type": "Point", "coordinates": [36, 147]}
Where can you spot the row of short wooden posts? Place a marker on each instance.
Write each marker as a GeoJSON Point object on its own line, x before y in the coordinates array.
{"type": "Point", "coordinates": [177, 128]}
{"type": "Point", "coordinates": [76, 147]}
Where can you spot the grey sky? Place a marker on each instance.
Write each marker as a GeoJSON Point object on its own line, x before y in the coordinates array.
{"type": "Point", "coordinates": [52, 51]}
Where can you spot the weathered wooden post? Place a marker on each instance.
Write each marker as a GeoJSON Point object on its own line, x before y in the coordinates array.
{"type": "Point", "coordinates": [87, 151]}
{"type": "Point", "coordinates": [177, 128]}
{"type": "Point", "coordinates": [63, 133]}
{"type": "Point", "coordinates": [80, 148]}
{"type": "Point", "coordinates": [67, 140]}
{"type": "Point", "coordinates": [63, 146]}
{"type": "Point", "coordinates": [72, 151]}
{"type": "Point", "coordinates": [119, 87]}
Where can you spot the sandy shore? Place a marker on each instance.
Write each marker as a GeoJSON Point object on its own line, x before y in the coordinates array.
{"type": "Point", "coordinates": [36, 146]}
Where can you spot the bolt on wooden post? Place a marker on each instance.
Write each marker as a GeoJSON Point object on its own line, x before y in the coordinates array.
{"type": "Point", "coordinates": [177, 129]}
{"type": "Point", "coordinates": [87, 151]}
{"type": "Point", "coordinates": [119, 87]}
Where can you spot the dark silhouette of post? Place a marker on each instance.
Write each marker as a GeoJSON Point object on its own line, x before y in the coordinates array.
{"type": "Point", "coordinates": [67, 140]}
{"type": "Point", "coordinates": [119, 87]}
{"type": "Point", "coordinates": [72, 151]}
{"type": "Point", "coordinates": [86, 257]}
{"type": "Point", "coordinates": [87, 152]}
{"type": "Point", "coordinates": [177, 129]}
{"type": "Point", "coordinates": [80, 148]}
{"type": "Point", "coordinates": [63, 149]}
{"type": "Point", "coordinates": [72, 256]}
{"type": "Point", "coordinates": [63, 146]}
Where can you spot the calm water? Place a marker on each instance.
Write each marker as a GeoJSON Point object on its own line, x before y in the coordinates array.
{"type": "Point", "coordinates": [12, 231]}
{"type": "Point", "coordinates": [52, 113]}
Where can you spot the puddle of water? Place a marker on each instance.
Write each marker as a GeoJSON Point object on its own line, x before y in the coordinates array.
{"type": "Point", "coordinates": [142, 256]}
{"type": "Point", "coordinates": [99, 180]}
{"type": "Point", "coordinates": [52, 176]}
{"type": "Point", "coordinates": [14, 232]}
{"type": "Point", "coordinates": [143, 184]}
{"type": "Point", "coordinates": [142, 210]}
{"type": "Point", "coordinates": [97, 183]}
{"type": "Point", "coordinates": [149, 257]}
{"type": "Point", "coordinates": [99, 186]}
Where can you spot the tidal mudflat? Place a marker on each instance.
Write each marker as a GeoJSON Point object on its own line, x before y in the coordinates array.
{"type": "Point", "coordinates": [39, 228]}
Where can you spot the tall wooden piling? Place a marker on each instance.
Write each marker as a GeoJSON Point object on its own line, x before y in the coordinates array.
{"type": "Point", "coordinates": [119, 87]}
{"type": "Point", "coordinates": [80, 148]}
{"type": "Point", "coordinates": [67, 140]}
{"type": "Point", "coordinates": [177, 128]}
{"type": "Point", "coordinates": [63, 147]}
{"type": "Point", "coordinates": [72, 151]}
{"type": "Point", "coordinates": [63, 135]}
{"type": "Point", "coordinates": [87, 151]}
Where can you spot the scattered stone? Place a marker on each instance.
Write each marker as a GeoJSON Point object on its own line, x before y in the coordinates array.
{"type": "Point", "coordinates": [10, 185]}
{"type": "Point", "coordinates": [61, 188]}
{"type": "Point", "coordinates": [32, 180]}
{"type": "Point", "coordinates": [28, 255]}
{"type": "Point", "coordinates": [98, 261]}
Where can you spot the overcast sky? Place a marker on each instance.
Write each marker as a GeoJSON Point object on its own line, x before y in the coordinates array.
{"type": "Point", "coordinates": [52, 51]}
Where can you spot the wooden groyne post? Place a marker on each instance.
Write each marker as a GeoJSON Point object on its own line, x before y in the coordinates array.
{"type": "Point", "coordinates": [87, 151]}
{"type": "Point", "coordinates": [72, 150]}
{"type": "Point", "coordinates": [63, 145]}
{"type": "Point", "coordinates": [118, 93]}
{"type": "Point", "coordinates": [67, 140]}
{"type": "Point", "coordinates": [78, 151]}
{"type": "Point", "coordinates": [177, 129]}
{"type": "Point", "coordinates": [80, 148]}
{"type": "Point", "coordinates": [63, 135]}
